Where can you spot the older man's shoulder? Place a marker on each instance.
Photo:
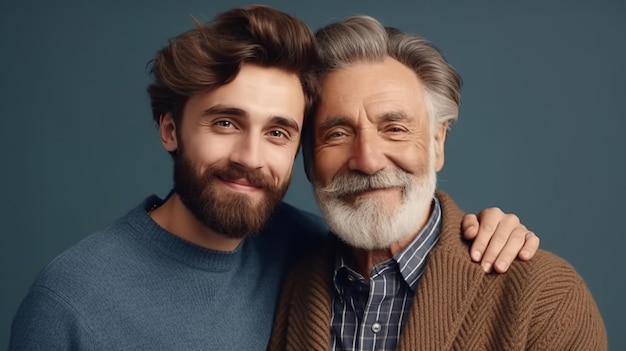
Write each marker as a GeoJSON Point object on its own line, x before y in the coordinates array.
{"type": "Point", "coordinates": [546, 280]}
{"type": "Point", "coordinates": [544, 267]}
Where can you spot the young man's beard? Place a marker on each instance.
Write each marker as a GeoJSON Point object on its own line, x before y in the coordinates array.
{"type": "Point", "coordinates": [228, 213]}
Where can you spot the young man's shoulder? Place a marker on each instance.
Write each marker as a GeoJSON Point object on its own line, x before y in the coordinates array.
{"type": "Point", "coordinates": [293, 230]}
{"type": "Point", "coordinates": [88, 259]}
{"type": "Point", "coordinates": [288, 218]}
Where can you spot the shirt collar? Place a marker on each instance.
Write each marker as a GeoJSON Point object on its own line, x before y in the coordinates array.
{"type": "Point", "coordinates": [412, 259]}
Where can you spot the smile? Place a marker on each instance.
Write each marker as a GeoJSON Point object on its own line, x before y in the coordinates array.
{"type": "Point", "coordinates": [240, 185]}
{"type": "Point", "coordinates": [371, 193]}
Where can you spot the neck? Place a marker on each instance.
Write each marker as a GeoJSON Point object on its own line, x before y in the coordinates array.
{"type": "Point", "coordinates": [176, 218]}
{"type": "Point", "coordinates": [365, 260]}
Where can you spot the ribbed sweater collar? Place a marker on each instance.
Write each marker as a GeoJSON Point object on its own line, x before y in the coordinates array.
{"type": "Point", "coordinates": [148, 233]}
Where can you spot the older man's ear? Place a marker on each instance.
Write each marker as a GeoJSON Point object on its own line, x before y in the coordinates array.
{"type": "Point", "coordinates": [440, 140]}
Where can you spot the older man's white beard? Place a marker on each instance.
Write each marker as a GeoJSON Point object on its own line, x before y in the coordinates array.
{"type": "Point", "coordinates": [369, 223]}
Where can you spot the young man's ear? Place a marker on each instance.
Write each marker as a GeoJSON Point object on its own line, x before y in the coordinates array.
{"type": "Point", "coordinates": [440, 140]}
{"type": "Point", "coordinates": [167, 132]}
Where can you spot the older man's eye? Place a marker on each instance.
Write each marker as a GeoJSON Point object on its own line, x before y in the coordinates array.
{"type": "Point", "coordinates": [336, 134]}
{"type": "Point", "coordinates": [395, 129]}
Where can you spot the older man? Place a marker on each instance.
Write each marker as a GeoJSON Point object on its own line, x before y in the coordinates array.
{"type": "Point", "coordinates": [397, 275]}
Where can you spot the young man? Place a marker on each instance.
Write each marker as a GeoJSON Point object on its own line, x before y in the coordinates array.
{"type": "Point", "coordinates": [202, 269]}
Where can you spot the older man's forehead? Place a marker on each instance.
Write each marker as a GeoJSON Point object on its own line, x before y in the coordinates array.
{"type": "Point", "coordinates": [369, 82]}
{"type": "Point", "coordinates": [390, 105]}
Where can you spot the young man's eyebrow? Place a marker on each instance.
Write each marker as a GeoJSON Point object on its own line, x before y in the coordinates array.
{"type": "Point", "coordinates": [224, 110]}
{"type": "Point", "coordinates": [286, 122]}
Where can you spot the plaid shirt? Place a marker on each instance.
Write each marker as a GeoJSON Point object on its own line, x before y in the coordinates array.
{"type": "Point", "coordinates": [370, 316]}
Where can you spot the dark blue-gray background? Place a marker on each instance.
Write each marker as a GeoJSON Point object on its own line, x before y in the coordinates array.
{"type": "Point", "coordinates": [539, 134]}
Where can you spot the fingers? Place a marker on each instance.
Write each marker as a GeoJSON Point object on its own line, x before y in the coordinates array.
{"type": "Point", "coordinates": [531, 245]}
{"type": "Point", "coordinates": [510, 250]}
{"type": "Point", "coordinates": [485, 225]}
{"type": "Point", "coordinates": [469, 225]}
{"type": "Point", "coordinates": [499, 239]}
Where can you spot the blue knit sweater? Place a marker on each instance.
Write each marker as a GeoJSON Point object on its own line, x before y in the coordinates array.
{"type": "Point", "coordinates": [135, 286]}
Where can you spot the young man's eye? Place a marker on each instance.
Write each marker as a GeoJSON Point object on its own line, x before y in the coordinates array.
{"type": "Point", "coordinates": [224, 124]}
{"type": "Point", "coordinates": [277, 134]}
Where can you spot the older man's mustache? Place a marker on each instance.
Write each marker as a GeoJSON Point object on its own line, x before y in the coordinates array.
{"type": "Point", "coordinates": [347, 183]}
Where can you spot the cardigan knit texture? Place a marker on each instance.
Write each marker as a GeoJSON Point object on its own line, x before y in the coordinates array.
{"type": "Point", "coordinates": [135, 286]}
{"type": "Point", "coordinates": [542, 304]}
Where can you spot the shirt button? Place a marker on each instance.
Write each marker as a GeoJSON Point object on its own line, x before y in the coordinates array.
{"type": "Point", "coordinates": [376, 327]}
{"type": "Point", "coordinates": [350, 279]}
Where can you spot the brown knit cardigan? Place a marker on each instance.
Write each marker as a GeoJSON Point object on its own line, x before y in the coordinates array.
{"type": "Point", "coordinates": [542, 304]}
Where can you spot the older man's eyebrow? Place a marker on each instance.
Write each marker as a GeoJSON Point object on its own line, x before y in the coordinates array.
{"type": "Point", "coordinates": [332, 122]}
{"type": "Point", "coordinates": [394, 116]}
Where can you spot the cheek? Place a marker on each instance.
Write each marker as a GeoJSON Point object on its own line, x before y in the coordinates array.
{"type": "Point", "coordinates": [284, 165]}
{"type": "Point", "coordinates": [412, 157]}
{"type": "Point", "coordinates": [207, 150]}
{"type": "Point", "coordinates": [327, 163]}
{"type": "Point", "coordinates": [280, 160]}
